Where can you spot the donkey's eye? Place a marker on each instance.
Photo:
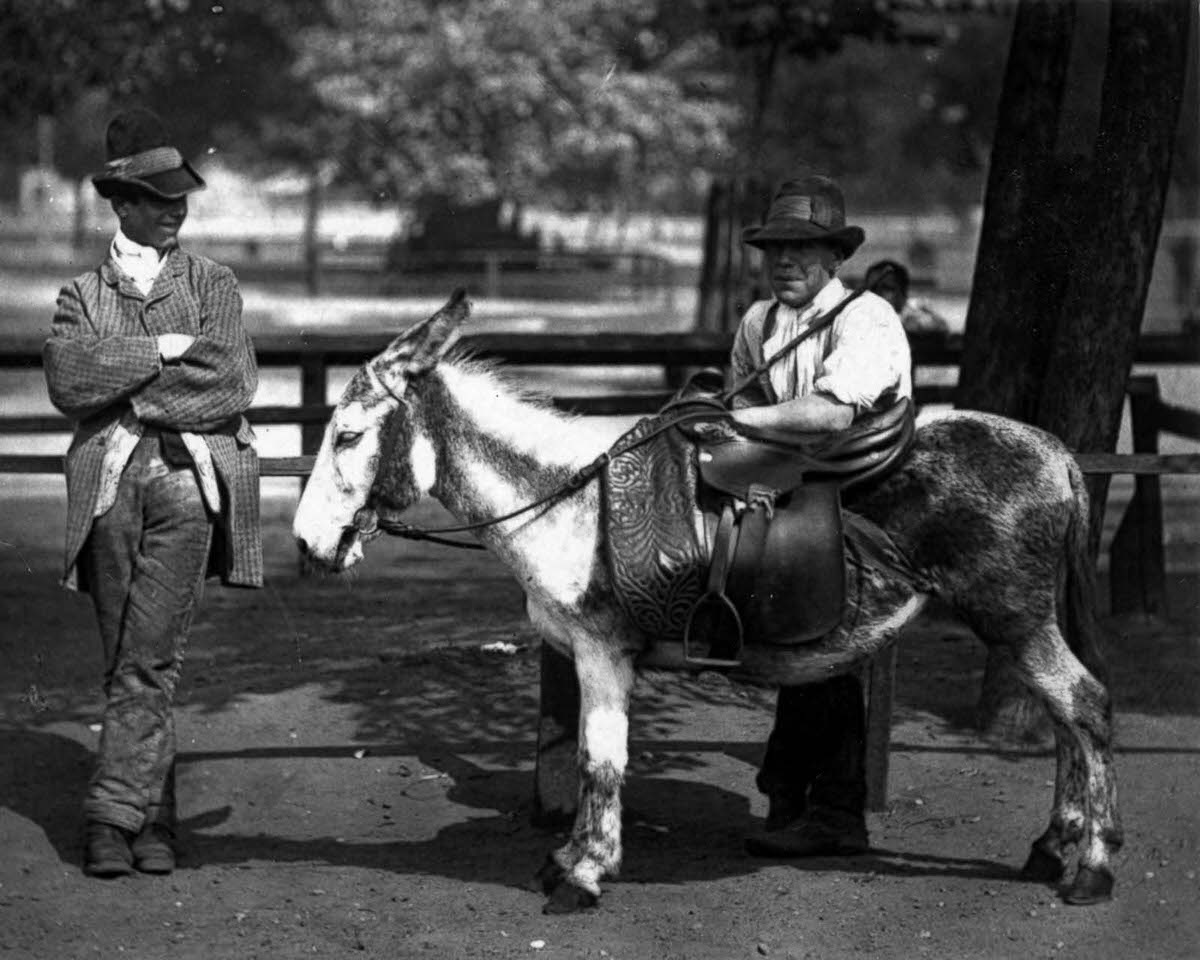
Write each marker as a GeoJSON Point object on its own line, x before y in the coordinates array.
{"type": "Point", "coordinates": [347, 438]}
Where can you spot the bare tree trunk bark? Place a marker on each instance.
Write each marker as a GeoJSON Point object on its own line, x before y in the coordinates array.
{"type": "Point", "coordinates": [1114, 245]}
{"type": "Point", "coordinates": [1006, 333]}
{"type": "Point", "coordinates": [1066, 252]}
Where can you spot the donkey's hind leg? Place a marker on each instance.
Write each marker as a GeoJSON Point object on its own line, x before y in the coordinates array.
{"type": "Point", "coordinates": [1048, 857]}
{"type": "Point", "coordinates": [572, 874]}
{"type": "Point", "coordinates": [1085, 786]}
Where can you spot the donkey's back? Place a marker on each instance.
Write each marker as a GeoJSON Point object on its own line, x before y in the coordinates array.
{"type": "Point", "coordinates": [993, 515]}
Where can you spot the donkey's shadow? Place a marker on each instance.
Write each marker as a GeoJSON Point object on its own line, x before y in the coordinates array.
{"type": "Point", "coordinates": [44, 775]}
{"type": "Point", "coordinates": [666, 841]}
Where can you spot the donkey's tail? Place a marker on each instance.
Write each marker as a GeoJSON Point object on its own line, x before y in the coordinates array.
{"type": "Point", "coordinates": [1079, 623]}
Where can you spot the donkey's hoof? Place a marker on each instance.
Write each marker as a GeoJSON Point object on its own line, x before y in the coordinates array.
{"type": "Point", "coordinates": [569, 898]}
{"type": "Point", "coordinates": [1090, 886]}
{"type": "Point", "coordinates": [1042, 866]}
{"type": "Point", "coordinates": [549, 877]}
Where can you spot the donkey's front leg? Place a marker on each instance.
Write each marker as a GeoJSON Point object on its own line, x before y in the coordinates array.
{"type": "Point", "coordinates": [572, 873]}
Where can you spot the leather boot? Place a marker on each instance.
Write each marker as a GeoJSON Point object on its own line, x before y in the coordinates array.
{"type": "Point", "coordinates": [817, 833]}
{"type": "Point", "coordinates": [154, 849]}
{"type": "Point", "coordinates": [106, 852]}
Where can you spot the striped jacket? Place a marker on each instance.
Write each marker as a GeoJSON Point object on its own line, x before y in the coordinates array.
{"type": "Point", "coordinates": [102, 362]}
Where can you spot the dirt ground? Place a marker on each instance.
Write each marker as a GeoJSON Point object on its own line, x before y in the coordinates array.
{"type": "Point", "coordinates": [356, 778]}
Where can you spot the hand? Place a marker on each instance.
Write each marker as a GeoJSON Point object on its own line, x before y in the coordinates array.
{"type": "Point", "coordinates": [172, 346]}
{"type": "Point", "coordinates": [714, 430]}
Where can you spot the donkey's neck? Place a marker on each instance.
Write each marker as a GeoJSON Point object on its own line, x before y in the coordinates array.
{"type": "Point", "coordinates": [495, 449]}
{"type": "Point", "coordinates": [497, 452]}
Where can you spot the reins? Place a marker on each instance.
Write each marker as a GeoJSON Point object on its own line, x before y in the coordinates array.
{"type": "Point", "coordinates": [577, 481]}
{"type": "Point", "coordinates": [369, 524]}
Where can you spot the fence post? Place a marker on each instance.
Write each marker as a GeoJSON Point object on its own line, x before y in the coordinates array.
{"type": "Point", "coordinates": [556, 776]}
{"type": "Point", "coordinates": [313, 383]}
{"type": "Point", "coordinates": [313, 387]}
{"type": "Point", "coordinates": [881, 689]}
{"type": "Point", "coordinates": [1136, 566]}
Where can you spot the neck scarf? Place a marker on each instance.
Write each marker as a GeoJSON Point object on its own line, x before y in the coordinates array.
{"type": "Point", "coordinates": [140, 263]}
{"type": "Point", "coordinates": [793, 376]}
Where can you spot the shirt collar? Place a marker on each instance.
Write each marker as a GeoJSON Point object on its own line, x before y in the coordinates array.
{"type": "Point", "coordinates": [828, 297]}
{"type": "Point", "coordinates": [129, 249]}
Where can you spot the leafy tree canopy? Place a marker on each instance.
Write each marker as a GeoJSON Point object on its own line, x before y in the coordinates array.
{"type": "Point", "coordinates": [554, 99]}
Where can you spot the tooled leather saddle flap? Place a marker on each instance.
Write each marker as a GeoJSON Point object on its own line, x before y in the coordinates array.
{"type": "Point", "coordinates": [785, 570]}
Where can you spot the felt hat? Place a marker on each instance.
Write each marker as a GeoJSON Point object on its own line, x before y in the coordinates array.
{"type": "Point", "coordinates": [140, 157]}
{"type": "Point", "coordinates": [810, 208]}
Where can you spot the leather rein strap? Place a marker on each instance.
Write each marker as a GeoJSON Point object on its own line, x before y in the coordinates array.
{"type": "Point", "coordinates": [369, 524]}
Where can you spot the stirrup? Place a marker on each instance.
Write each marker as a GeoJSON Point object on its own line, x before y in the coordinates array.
{"type": "Point", "coordinates": [718, 626]}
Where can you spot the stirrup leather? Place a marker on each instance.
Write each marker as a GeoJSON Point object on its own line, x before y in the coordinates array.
{"type": "Point", "coordinates": [714, 635]}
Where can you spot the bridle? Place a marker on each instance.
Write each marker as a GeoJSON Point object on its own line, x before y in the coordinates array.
{"type": "Point", "coordinates": [369, 524]}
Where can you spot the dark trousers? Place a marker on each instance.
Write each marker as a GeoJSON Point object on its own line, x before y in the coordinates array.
{"type": "Point", "coordinates": [146, 558]}
{"type": "Point", "coordinates": [816, 754]}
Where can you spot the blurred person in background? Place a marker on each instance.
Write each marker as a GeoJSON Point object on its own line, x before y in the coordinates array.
{"type": "Point", "coordinates": [149, 356]}
{"type": "Point", "coordinates": [890, 280]}
{"type": "Point", "coordinates": [814, 768]}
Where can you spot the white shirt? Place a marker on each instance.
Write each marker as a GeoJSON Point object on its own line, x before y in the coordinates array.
{"type": "Point", "coordinates": [139, 263]}
{"type": "Point", "coordinates": [857, 359]}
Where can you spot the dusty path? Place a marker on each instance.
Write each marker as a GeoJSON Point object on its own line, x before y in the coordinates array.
{"type": "Point", "coordinates": [356, 781]}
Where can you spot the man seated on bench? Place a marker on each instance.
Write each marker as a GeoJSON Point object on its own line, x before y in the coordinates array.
{"type": "Point", "coordinates": [814, 770]}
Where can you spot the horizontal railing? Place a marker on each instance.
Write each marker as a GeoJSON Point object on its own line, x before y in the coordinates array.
{"type": "Point", "coordinates": [573, 349]}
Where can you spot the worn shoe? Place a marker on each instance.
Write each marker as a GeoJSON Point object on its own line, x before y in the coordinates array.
{"type": "Point", "coordinates": [154, 849]}
{"type": "Point", "coordinates": [783, 809]}
{"type": "Point", "coordinates": [807, 837]}
{"type": "Point", "coordinates": [107, 852]}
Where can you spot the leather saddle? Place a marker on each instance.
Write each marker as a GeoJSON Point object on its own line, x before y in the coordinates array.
{"type": "Point", "coordinates": [772, 566]}
{"type": "Point", "coordinates": [778, 554]}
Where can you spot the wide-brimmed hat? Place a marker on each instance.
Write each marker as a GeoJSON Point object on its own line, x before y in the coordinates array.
{"type": "Point", "coordinates": [810, 208]}
{"type": "Point", "coordinates": [140, 157]}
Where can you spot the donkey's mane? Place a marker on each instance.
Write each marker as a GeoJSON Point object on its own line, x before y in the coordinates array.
{"type": "Point", "coordinates": [522, 419]}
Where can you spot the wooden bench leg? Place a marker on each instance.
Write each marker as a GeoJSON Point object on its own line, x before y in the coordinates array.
{"type": "Point", "coordinates": [556, 774]}
{"type": "Point", "coordinates": [880, 690]}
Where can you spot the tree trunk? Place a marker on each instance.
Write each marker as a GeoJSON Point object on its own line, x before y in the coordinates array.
{"type": "Point", "coordinates": [1121, 206]}
{"type": "Point", "coordinates": [1067, 249]}
{"type": "Point", "coordinates": [728, 285]}
{"type": "Point", "coordinates": [1006, 330]}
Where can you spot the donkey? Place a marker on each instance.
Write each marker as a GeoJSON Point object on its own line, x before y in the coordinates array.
{"type": "Point", "coordinates": [992, 516]}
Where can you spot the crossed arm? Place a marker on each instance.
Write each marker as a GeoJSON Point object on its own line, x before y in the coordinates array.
{"type": "Point", "coordinates": [173, 380]}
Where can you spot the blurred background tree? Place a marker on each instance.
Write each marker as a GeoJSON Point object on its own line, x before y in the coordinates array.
{"type": "Point", "coordinates": [576, 102]}
{"type": "Point", "coordinates": [217, 76]}
{"type": "Point", "coordinates": [582, 104]}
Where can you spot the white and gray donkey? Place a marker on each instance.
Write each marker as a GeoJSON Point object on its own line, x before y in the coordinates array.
{"type": "Point", "coordinates": [991, 514]}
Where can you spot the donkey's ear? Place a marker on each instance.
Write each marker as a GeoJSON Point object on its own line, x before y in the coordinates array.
{"type": "Point", "coordinates": [420, 348]}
